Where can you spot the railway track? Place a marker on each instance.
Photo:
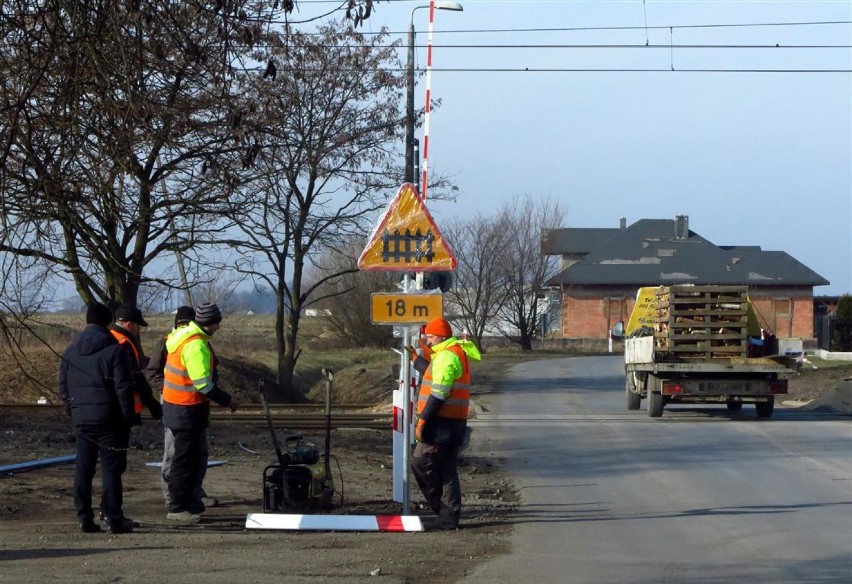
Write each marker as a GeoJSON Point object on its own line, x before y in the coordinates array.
{"type": "Point", "coordinates": [291, 416]}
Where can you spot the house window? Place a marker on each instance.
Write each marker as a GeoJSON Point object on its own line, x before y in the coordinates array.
{"type": "Point", "coordinates": [615, 309]}
{"type": "Point", "coordinates": [783, 309]}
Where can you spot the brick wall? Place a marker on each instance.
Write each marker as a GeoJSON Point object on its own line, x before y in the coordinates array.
{"type": "Point", "coordinates": [588, 313]}
{"type": "Point", "coordinates": [788, 312]}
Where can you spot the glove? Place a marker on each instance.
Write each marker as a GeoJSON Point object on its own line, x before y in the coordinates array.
{"type": "Point", "coordinates": [412, 352]}
{"type": "Point", "coordinates": [156, 410]}
{"type": "Point", "coordinates": [234, 405]}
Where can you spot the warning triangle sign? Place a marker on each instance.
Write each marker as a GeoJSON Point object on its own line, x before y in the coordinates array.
{"type": "Point", "coordinates": [407, 239]}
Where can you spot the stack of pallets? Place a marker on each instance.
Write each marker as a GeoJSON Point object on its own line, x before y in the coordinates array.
{"type": "Point", "coordinates": [701, 322]}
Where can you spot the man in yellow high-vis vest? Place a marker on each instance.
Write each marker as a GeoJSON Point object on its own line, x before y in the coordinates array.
{"type": "Point", "coordinates": [190, 381]}
{"type": "Point", "coordinates": [442, 408]}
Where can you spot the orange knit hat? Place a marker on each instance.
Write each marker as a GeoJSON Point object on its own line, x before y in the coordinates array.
{"type": "Point", "coordinates": [438, 327]}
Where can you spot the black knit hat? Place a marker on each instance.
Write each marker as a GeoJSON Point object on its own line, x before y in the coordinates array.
{"type": "Point", "coordinates": [207, 313]}
{"type": "Point", "coordinates": [98, 314]}
{"type": "Point", "coordinates": [184, 314]}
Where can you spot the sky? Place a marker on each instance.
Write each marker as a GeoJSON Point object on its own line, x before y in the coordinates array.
{"type": "Point", "coordinates": [753, 158]}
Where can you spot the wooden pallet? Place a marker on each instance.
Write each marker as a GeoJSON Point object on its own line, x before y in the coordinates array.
{"type": "Point", "coordinates": [702, 322]}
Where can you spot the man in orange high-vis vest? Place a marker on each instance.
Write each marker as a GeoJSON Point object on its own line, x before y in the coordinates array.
{"type": "Point", "coordinates": [442, 408]}
{"type": "Point", "coordinates": [190, 381]}
{"type": "Point", "coordinates": [154, 372]}
{"type": "Point", "coordinates": [126, 329]}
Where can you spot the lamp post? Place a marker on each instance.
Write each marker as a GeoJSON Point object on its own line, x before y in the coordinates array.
{"type": "Point", "coordinates": [409, 110]}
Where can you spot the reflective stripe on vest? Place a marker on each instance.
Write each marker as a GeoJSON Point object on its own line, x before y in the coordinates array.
{"type": "Point", "coordinates": [178, 388]}
{"type": "Point", "coordinates": [122, 339]}
{"type": "Point", "coordinates": [457, 403]}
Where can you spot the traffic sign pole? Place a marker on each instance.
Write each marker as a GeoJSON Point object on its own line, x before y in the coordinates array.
{"type": "Point", "coordinates": [407, 410]}
{"type": "Point", "coordinates": [406, 239]}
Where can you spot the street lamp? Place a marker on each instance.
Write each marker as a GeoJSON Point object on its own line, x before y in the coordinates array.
{"type": "Point", "coordinates": [409, 111]}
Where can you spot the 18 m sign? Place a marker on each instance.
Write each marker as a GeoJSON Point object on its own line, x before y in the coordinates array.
{"type": "Point", "coordinates": [390, 308]}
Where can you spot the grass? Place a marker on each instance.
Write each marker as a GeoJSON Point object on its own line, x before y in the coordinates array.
{"type": "Point", "coordinates": [246, 347]}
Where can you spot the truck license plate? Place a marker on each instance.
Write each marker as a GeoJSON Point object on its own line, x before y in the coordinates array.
{"type": "Point", "coordinates": [724, 387]}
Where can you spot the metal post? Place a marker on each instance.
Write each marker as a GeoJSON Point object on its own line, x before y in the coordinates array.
{"type": "Point", "coordinates": [416, 149]}
{"type": "Point", "coordinates": [409, 109]}
{"type": "Point", "coordinates": [406, 403]}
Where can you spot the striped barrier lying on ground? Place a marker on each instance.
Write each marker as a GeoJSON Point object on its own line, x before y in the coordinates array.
{"type": "Point", "coordinates": [334, 522]}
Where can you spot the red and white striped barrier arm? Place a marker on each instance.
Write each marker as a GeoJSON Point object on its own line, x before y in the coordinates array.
{"type": "Point", "coordinates": [293, 522]}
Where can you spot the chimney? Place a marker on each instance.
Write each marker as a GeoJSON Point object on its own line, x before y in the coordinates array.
{"type": "Point", "coordinates": [622, 223]}
{"type": "Point", "coordinates": [682, 227]}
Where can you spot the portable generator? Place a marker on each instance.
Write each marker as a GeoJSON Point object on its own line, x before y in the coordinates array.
{"type": "Point", "coordinates": [298, 480]}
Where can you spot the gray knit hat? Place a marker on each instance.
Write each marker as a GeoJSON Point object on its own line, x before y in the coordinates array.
{"type": "Point", "coordinates": [207, 313]}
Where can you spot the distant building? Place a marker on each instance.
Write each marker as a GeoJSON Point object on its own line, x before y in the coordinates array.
{"type": "Point", "coordinates": [603, 268]}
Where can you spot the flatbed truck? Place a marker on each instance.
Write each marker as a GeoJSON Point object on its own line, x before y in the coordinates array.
{"type": "Point", "coordinates": [694, 344]}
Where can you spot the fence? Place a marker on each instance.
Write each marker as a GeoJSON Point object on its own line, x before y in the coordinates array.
{"type": "Point", "coordinates": [824, 327]}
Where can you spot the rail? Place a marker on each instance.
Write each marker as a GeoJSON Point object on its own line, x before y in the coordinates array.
{"type": "Point", "coordinates": [290, 416]}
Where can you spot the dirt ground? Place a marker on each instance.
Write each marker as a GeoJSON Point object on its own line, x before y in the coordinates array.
{"type": "Point", "coordinates": [40, 542]}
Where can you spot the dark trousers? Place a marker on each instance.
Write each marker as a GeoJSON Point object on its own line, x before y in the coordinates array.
{"type": "Point", "coordinates": [186, 468]}
{"type": "Point", "coordinates": [436, 470]}
{"type": "Point", "coordinates": [111, 445]}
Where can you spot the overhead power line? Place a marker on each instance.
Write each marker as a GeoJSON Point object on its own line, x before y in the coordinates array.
{"type": "Point", "coordinates": [611, 28]}
{"type": "Point", "coordinates": [586, 70]}
{"type": "Point", "coordinates": [658, 27]}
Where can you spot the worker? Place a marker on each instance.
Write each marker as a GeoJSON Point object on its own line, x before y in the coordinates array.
{"type": "Point", "coordinates": [190, 381]}
{"type": "Point", "coordinates": [154, 373]}
{"type": "Point", "coordinates": [126, 329]}
{"type": "Point", "coordinates": [442, 408]}
{"type": "Point", "coordinates": [96, 386]}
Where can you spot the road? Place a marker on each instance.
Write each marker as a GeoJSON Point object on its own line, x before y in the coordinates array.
{"type": "Point", "coordinates": [699, 495]}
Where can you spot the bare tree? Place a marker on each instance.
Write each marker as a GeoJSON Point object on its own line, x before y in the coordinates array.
{"type": "Point", "coordinates": [325, 163]}
{"type": "Point", "coordinates": [119, 121]}
{"type": "Point", "coordinates": [523, 266]}
{"type": "Point", "coordinates": [343, 302]}
{"type": "Point", "coordinates": [479, 282]}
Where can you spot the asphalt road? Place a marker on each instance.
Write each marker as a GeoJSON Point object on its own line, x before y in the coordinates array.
{"type": "Point", "coordinates": [699, 495]}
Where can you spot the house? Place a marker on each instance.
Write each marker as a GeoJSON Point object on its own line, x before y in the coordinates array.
{"type": "Point", "coordinates": [602, 269]}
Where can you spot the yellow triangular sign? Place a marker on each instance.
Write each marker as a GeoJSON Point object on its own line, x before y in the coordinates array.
{"type": "Point", "coordinates": [407, 239]}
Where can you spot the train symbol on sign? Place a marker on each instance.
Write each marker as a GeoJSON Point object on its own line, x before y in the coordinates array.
{"type": "Point", "coordinates": [407, 247]}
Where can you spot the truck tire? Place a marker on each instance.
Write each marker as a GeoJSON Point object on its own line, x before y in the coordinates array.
{"type": "Point", "coordinates": [655, 399]}
{"type": "Point", "coordinates": [633, 399]}
{"type": "Point", "coordinates": [765, 409]}
{"type": "Point", "coordinates": [734, 406]}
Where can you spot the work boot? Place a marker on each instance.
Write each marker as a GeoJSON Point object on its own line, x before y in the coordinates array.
{"type": "Point", "coordinates": [128, 522]}
{"type": "Point", "coordinates": [122, 525]}
{"type": "Point", "coordinates": [88, 525]}
{"type": "Point", "coordinates": [210, 501]}
{"type": "Point", "coordinates": [183, 517]}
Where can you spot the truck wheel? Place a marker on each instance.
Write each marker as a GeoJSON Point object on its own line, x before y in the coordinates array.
{"type": "Point", "coordinates": [765, 409]}
{"type": "Point", "coordinates": [655, 404]}
{"type": "Point", "coordinates": [734, 406]}
{"type": "Point", "coordinates": [633, 398]}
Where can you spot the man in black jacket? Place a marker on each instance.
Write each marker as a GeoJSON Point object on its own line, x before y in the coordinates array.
{"type": "Point", "coordinates": [95, 384]}
{"type": "Point", "coordinates": [128, 324]}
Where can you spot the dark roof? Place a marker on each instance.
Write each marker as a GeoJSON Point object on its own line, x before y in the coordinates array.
{"type": "Point", "coordinates": [573, 241]}
{"type": "Point", "coordinates": [647, 253]}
